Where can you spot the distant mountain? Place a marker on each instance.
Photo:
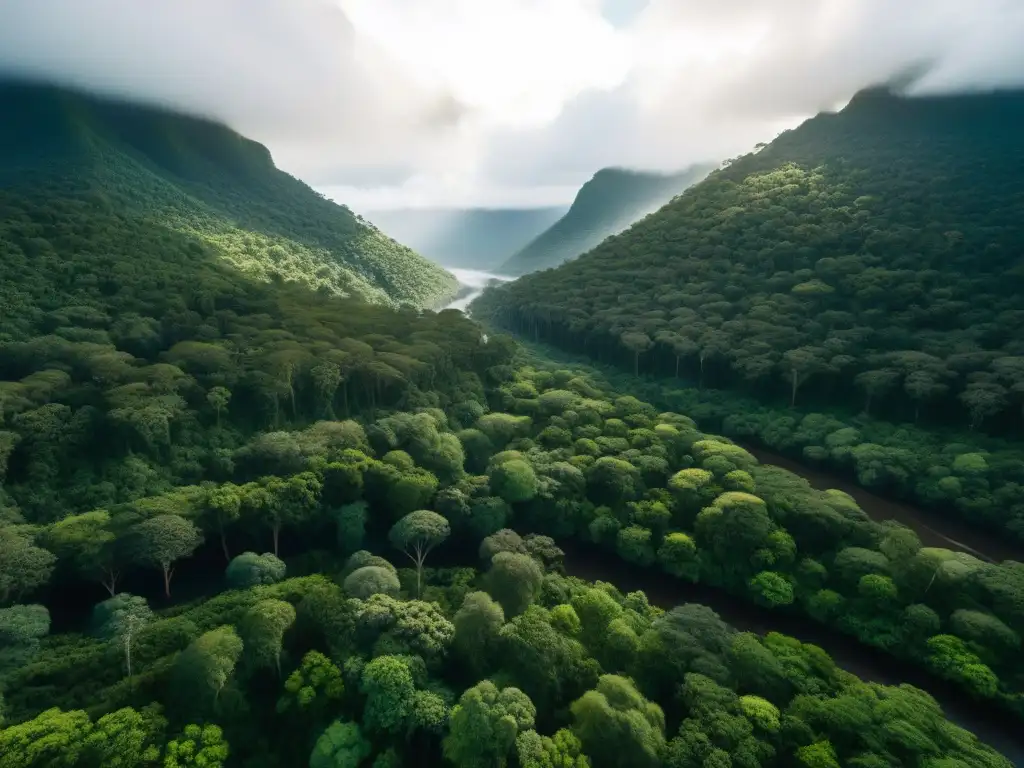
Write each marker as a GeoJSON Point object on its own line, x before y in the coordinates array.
{"type": "Point", "coordinates": [471, 238]}
{"type": "Point", "coordinates": [198, 177]}
{"type": "Point", "coordinates": [607, 204]}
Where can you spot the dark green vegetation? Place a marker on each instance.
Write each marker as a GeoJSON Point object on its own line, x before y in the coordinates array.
{"type": "Point", "coordinates": [190, 181]}
{"type": "Point", "coordinates": [610, 202]}
{"type": "Point", "coordinates": [362, 660]}
{"type": "Point", "coordinates": [964, 475]}
{"type": "Point", "coordinates": [208, 481]}
{"type": "Point", "coordinates": [472, 238]}
{"type": "Point", "coordinates": [868, 261]}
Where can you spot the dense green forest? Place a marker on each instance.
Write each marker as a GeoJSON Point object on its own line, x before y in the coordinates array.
{"type": "Point", "coordinates": [608, 203]}
{"type": "Point", "coordinates": [209, 482]}
{"type": "Point", "coordinates": [467, 238]}
{"type": "Point", "coordinates": [360, 659]}
{"type": "Point", "coordinates": [946, 470]}
{"type": "Point", "coordinates": [188, 178]}
{"type": "Point", "coordinates": [869, 260]}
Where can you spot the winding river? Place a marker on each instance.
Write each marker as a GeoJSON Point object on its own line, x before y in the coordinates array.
{"type": "Point", "coordinates": [472, 282]}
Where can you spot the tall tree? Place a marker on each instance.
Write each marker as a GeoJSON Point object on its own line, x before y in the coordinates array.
{"type": "Point", "coordinates": [262, 630]}
{"type": "Point", "coordinates": [477, 624]}
{"type": "Point", "coordinates": [416, 535]}
{"type": "Point", "coordinates": [120, 619]}
{"type": "Point", "coordinates": [89, 544]}
{"type": "Point", "coordinates": [636, 342]}
{"type": "Point", "coordinates": [800, 364]}
{"type": "Point", "coordinates": [222, 507]}
{"type": "Point", "coordinates": [161, 541]}
{"type": "Point", "coordinates": [205, 666]}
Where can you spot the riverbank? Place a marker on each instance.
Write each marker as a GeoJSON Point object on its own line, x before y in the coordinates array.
{"type": "Point", "coordinates": [933, 529]}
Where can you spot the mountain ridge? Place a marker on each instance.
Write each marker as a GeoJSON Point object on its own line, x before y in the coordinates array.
{"type": "Point", "coordinates": [610, 201]}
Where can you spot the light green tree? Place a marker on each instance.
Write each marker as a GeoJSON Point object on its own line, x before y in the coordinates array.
{"type": "Point", "coordinates": [197, 747]}
{"type": "Point", "coordinates": [485, 723]}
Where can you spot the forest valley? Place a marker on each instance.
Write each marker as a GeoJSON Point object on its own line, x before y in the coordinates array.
{"type": "Point", "coordinates": [255, 521]}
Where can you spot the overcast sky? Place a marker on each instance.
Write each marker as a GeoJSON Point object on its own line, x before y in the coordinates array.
{"type": "Point", "coordinates": [392, 103]}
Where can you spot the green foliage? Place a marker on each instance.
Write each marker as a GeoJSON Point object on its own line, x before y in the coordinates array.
{"type": "Point", "coordinates": [205, 181]}
{"type": "Point", "coordinates": [617, 725]}
{"type": "Point", "coordinates": [204, 667]}
{"type": "Point", "coordinates": [372, 580]}
{"type": "Point", "coordinates": [341, 745]}
{"type": "Point", "coordinates": [563, 750]}
{"type": "Point", "coordinates": [23, 565]}
{"type": "Point", "coordinates": [162, 540]}
{"type": "Point", "coordinates": [514, 480]}
{"type": "Point", "coordinates": [351, 526]}
{"type": "Point", "coordinates": [52, 739]}
{"type": "Point", "coordinates": [154, 398]}
{"type": "Point", "coordinates": [820, 754]}
{"type": "Point", "coordinates": [772, 589]}
{"type": "Point", "coordinates": [390, 693]}
{"type": "Point", "coordinates": [514, 580]}
{"type": "Point", "coordinates": [198, 746]}
{"type": "Point", "coordinates": [249, 570]}
{"type": "Point", "coordinates": [313, 689]}
{"type": "Point", "coordinates": [485, 723]}
{"type": "Point", "coordinates": [410, 627]}
{"type": "Point", "coordinates": [678, 556]}
{"type": "Point", "coordinates": [262, 631]}
{"type": "Point", "coordinates": [478, 623]}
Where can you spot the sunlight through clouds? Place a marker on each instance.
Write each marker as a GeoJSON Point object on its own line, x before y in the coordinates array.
{"type": "Point", "coordinates": [511, 62]}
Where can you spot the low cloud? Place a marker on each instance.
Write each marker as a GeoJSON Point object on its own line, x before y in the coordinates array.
{"type": "Point", "coordinates": [399, 101]}
{"type": "Point", "coordinates": [294, 74]}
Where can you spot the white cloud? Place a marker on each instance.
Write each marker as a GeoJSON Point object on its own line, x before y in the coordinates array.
{"type": "Point", "coordinates": [512, 62]}
{"type": "Point", "coordinates": [479, 101]}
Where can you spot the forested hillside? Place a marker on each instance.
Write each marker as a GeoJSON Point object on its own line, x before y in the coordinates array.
{"type": "Point", "coordinates": [867, 260]}
{"type": "Point", "coordinates": [607, 204]}
{"type": "Point", "coordinates": [470, 238]}
{"type": "Point", "coordinates": [197, 179]}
